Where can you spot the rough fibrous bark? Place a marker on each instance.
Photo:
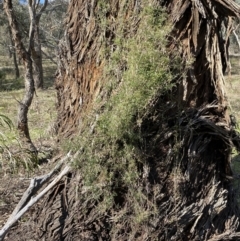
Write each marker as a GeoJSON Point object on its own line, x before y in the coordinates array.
{"type": "Point", "coordinates": [187, 144]}
{"type": "Point", "coordinates": [81, 83]}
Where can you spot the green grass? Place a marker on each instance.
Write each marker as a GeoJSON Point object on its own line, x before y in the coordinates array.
{"type": "Point", "coordinates": [233, 93]}
{"type": "Point", "coordinates": [235, 64]}
{"type": "Point", "coordinates": [7, 75]}
{"type": "Point", "coordinates": [41, 113]}
{"type": "Point", "coordinates": [41, 116]}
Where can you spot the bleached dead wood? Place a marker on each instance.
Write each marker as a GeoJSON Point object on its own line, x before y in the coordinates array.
{"type": "Point", "coordinates": [35, 184]}
{"type": "Point", "coordinates": [28, 200]}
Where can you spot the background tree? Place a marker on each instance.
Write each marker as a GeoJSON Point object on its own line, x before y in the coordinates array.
{"type": "Point", "coordinates": [6, 42]}
{"type": "Point", "coordinates": [25, 54]}
{"type": "Point", "coordinates": [13, 53]}
{"type": "Point", "coordinates": [50, 31]}
{"type": "Point", "coordinates": [36, 50]}
{"type": "Point", "coordinates": [52, 28]}
{"type": "Point", "coordinates": [32, 55]}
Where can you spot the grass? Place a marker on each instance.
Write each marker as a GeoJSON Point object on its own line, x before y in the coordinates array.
{"type": "Point", "coordinates": [16, 165]}
{"type": "Point", "coordinates": [233, 92]}
{"type": "Point", "coordinates": [41, 116]}
{"type": "Point", "coordinates": [9, 82]}
{"type": "Point", "coordinates": [235, 63]}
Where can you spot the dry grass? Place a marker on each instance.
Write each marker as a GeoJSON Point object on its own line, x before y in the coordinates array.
{"type": "Point", "coordinates": [233, 93]}
{"type": "Point", "coordinates": [42, 112]}
{"type": "Point", "coordinates": [15, 170]}
{"type": "Point", "coordinates": [41, 117]}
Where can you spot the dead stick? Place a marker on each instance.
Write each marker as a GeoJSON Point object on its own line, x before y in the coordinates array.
{"type": "Point", "coordinates": [35, 184]}
{"type": "Point", "coordinates": [22, 211]}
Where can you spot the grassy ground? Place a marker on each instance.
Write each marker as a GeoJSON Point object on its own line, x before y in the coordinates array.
{"type": "Point", "coordinates": [42, 115]}
{"type": "Point", "coordinates": [233, 87]}
{"type": "Point", "coordinates": [16, 166]}
{"type": "Point", "coordinates": [233, 93]}
{"type": "Point", "coordinates": [42, 112]}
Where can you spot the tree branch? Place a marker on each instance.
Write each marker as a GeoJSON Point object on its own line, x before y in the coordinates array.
{"type": "Point", "coordinates": [43, 8]}
{"type": "Point", "coordinates": [49, 57]}
{"type": "Point", "coordinates": [28, 200]}
{"type": "Point", "coordinates": [35, 184]}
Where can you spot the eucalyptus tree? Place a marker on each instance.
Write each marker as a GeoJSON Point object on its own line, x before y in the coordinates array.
{"type": "Point", "coordinates": [6, 42]}
{"type": "Point", "coordinates": [35, 12]}
{"type": "Point", "coordinates": [142, 101]}
{"type": "Point", "coordinates": [52, 27]}
{"type": "Point", "coordinates": [25, 53]}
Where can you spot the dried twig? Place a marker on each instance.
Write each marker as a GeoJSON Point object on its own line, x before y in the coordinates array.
{"type": "Point", "coordinates": [28, 200]}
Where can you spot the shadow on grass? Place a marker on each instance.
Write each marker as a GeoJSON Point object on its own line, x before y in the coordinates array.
{"type": "Point", "coordinates": [235, 62]}
{"type": "Point", "coordinates": [9, 82]}
{"type": "Point", "coordinates": [49, 76]}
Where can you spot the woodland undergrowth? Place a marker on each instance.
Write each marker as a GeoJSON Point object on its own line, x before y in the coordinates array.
{"type": "Point", "coordinates": [113, 159]}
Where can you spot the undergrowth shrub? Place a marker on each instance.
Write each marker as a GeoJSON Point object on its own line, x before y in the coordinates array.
{"type": "Point", "coordinates": [112, 161]}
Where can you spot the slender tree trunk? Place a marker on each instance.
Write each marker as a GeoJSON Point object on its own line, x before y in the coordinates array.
{"type": "Point", "coordinates": [22, 122]}
{"type": "Point", "coordinates": [17, 73]}
{"type": "Point", "coordinates": [36, 50]}
{"type": "Point", "coordinates": [37, 57]}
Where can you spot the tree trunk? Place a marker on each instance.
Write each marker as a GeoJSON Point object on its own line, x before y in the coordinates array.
{"type": "Point", "coordinates": [36, 50]}
{"type": "Point", "coordinates": [165, 174]}
{"type": "Point", "coordinates": [37, 67]}
{"type": "Point", "coordinates": [22, 122]}
{"type": "Point", "coordinates": [17, 73]}
{"type": "Point", "coordinates": [37, 57]}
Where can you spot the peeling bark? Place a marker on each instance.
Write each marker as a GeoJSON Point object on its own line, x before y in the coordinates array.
{"type": "Point", "coordinates": [186, 177]}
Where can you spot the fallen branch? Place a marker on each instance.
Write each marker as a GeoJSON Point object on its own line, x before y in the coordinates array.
{"type": "Point", "coordinates": [28, 200]}
{"type": "Point", "coordinates": [35, 185]}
